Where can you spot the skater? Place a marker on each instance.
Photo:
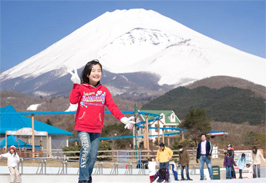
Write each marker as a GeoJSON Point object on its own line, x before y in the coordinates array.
{"type": "Point", "coordinates": [91, 98]}
{"type": "Point", "coordinates": [164, 154]}
{"type": "Point", "coordinates": [163, 174]}
{"type": "Point", "coordinates": [204, 152]}
{"type": "Point", "coordinates": [174, 169]}
{"type": "Point", "coordinates": [12, 163]}
{"type": "Point", "coordinates": [228, 163]}
{"type": "Point", "coordinates": [256, 155]}
{"type": "Point", "coordinates": [241, 163]}
{"type": "Point", "coordinates": [230, 149]}
{"type": "Point", "coordinates": [152, 168]}
{"type": "Point", "coordinates": [184, 161]}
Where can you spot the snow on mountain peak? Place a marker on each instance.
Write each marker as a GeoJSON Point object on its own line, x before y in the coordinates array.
{"type": "Point", "coordinates": [138, 40]}
{"type": "Point", "coordinates": [134, 45]}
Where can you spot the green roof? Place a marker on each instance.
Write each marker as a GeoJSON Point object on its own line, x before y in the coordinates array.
{"type": "Point", "coordinates": [167, 113]}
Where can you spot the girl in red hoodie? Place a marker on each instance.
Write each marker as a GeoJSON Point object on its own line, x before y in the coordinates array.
{"type": "Point", "coordinates": [91, 98]}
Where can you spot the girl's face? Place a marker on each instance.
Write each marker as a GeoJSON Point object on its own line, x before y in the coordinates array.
{"type": "Point", "coordinates": [11, 151]}
{"type": "Point", "coordinates": [95, 75]}
{"type": "Point", "coordinates": [227, 154]}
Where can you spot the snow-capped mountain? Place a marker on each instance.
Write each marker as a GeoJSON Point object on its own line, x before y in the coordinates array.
{"type": "Point", "coordinates": [140, 50]}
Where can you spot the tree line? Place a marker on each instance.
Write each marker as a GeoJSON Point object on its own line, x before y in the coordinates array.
{"type": "Point", "coordinates": [228, 104]}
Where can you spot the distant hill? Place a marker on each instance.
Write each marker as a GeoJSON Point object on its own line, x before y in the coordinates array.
{"type": "Point", "coordinates": [228, 104]}
{"type": "Point", "coordinates": [20, 101]}
{"type": "Point", "coordinates": [218, 82]}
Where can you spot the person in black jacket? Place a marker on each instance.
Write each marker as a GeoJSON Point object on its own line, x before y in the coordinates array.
{"type": "Point", "coordinates": [204, 152]}
{"type": "Point", "coordinates": [230, 150]}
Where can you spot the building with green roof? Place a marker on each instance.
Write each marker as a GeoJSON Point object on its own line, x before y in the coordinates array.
{"type": "Point", "coordinates": [169, 119]}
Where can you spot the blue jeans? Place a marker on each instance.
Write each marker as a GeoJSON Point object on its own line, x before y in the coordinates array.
{"type": "Point", "coordinates": [88, 153]}
{"type": "Point", "coordinates": [165, 165]}
{"type": "Point", "coordinates": [228, 172]}
{"type": "Point", "coordinates": [204, 159]}
{"type": "Point", "coordinates": [174, 172]}
{"type": "Point", "coordinates": [182, 172]}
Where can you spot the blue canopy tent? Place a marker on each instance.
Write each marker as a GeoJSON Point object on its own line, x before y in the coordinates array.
{"type": "Point", "coordinates": [16, 122]}
{"type": "Point", "coordinates": [11, 120]}
{"type": "Point", "coordinates": [13, 140]}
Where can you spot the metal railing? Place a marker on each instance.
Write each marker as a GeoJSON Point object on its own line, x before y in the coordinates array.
{"type": "Point", "coordinates": [63, 168]}
{"type": "Point", "coordinates": [128, 167]}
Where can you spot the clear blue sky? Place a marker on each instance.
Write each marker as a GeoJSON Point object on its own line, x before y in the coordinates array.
{"type": "Point", "coordinates": [28, 27]}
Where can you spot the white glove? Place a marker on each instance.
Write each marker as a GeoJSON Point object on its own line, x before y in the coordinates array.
{"type": "Point", "coordinates": [75, 77]}
{"type": "Point", "coordinates": [129, 123]}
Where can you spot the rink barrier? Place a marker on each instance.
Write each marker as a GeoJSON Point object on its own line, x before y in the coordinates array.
{"type": "Point", "coordinates": [128, 166]}
{"type": "Point", "coordinates": [98, 170]}
{"type": "Point", "coordinates": [114, 169]}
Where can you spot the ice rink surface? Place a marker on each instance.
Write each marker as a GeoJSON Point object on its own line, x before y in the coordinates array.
{"type": "Point", "coordinates": [115, 178]}
{"type": "Point", "coordinates": [121, 178]}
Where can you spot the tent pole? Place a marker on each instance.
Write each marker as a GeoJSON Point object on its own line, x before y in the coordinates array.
{"type": "Point", "coordinates": [33, 140]}
{"type": "Point", "coordinates": [47, 155]}
{"type": "Point", "coordinates": [147, 134]}
{"type": "Point", "coordinates": [158, 132]}
{"type": "Point", "coordinates": [163, 135]}
{"type": "Point", "coordinates": [6, 139]}
{"type": "Point", "coordinates": [144, 140]}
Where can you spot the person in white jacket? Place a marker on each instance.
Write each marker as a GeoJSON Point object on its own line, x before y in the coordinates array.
{"type": "Point", "coordinates": [152, 168]}
{"type": "Point", "coordinates": [12, 163]}
{"type": "Point", "coordinates": [256, 155]}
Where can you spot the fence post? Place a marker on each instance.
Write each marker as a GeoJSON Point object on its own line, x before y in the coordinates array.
{"type": "Point", "coordinates": [45, 166]}
{"type": "Point", "coordinates": [22, 165]}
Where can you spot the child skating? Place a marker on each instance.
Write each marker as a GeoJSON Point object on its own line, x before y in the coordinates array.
{"type": "Point", "coordinates": [152, 168]}
{"type": "Point", "coordinates": [173, 166]}
{"type": "Point", "coordinates": [241, 163]}
{"type": "Point", "coordinates": [91, 98]}
{"type": "Point", "coordinates": [12, 163]}
{"type": "Point", "coordinates": [163, 174]}
{"type": "Point", "coordinates": [228, 163]}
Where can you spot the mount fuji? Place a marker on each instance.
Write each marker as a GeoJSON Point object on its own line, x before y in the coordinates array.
{"type": "Point", "coordinates": [143, 53]}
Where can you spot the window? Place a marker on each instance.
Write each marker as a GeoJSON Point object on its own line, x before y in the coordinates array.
{"type": "Point", "coordinates": [172, 118]}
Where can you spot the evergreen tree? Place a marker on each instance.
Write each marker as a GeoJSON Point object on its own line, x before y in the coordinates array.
{"type": "Point", "coordinates": [119, 130]}
{"type": "Point", "coordinates": [196, 122]}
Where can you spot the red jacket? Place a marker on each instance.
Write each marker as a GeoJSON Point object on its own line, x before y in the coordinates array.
{"type": "Point", "coordinates": [91, 101]}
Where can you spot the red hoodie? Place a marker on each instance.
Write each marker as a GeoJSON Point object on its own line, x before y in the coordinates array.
{"type": "Point", "coordinates": [91, 101]}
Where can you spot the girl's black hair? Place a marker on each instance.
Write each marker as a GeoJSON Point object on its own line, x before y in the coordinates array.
{"type": "Point", "coordinates": [256, 149]}
{"type": "Point", "coordinates": [162, 171]}
{"type": "Point", "coordinates": [243, 156]}
{"type": "Point", "coordinates": [87, 70]}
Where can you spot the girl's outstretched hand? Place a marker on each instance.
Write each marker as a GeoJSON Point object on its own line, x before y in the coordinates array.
{"type": "Point", "coordinates": [129, 122]}
{"type": "Point", "coordinates": [75, 77]}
